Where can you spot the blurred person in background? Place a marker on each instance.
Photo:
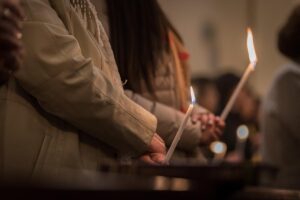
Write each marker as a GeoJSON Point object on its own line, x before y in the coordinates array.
{"type": "Point", "coordinates": [244, 112]}
{"type": "Point", "coordinates": [207, 93]}
{"type": "Point", "coordinates": [153, 64]}
{"type": "Point", "coordinates": [281, 109]}
{"type": "Point", "coordinates": [10, 35]}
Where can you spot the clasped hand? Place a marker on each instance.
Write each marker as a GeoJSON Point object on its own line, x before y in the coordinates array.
{"type": "Point", "coordinates": [211, 126]}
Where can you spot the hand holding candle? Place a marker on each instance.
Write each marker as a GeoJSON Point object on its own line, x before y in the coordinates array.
{"type": "Point", "coordinates": [250, 68]}
{"type": "Point", "coordinates": [156, 152]}
{"type": "Point", "coordinates": [211, 127]}
{"type": "Point", "coordinates": [181, 128]}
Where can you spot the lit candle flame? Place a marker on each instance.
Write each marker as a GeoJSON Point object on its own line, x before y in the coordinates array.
{"type": "Point", "coordinates": [251, 49]}
{"type": "Point", "coordinates": [193, 98]}
{"type": "Point", "coordinates": [242, 132]}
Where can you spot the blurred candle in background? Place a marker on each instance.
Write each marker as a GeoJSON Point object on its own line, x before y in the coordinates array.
{"type": "Point", "coordinates": [249, 70]}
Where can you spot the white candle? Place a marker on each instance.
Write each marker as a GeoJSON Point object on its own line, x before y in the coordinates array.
{"type": "Point", "coordinates": [236, 92]}
{"type": "Point", "coordinates": [181, 128]}
{"type": "Point", "coordinates": [250, 68]}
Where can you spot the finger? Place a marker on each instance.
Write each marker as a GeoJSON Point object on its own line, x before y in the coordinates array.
{"type": "Point", "coordinates": [158, 158]}
{"type": "Point", "coordinates": [159, 138]}
{"type": "Point", "coordinates": [220, 121]}
{"type": "Point", "coordinates": [7, 28]}
{"type": "Point", "coordinates": [14, 20]}
{"type": "Point", "coordinates": [221, 124]}
{"type": "Point", "coordinates": [203, 119]}
{"type": "Point", "coordinates": [8, 42]}
{"type": "Point", "coordinates": [157, 145]}
{"type": "Point", "coordinates": [147, 159]}
{"type": "Point", "coordinates": [15, 8]}
{"type": "Point", "coordinates": [211, 119]}
{"type": "Point", "coordinates": [194, 118]}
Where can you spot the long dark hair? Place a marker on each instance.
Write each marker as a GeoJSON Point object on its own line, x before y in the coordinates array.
{"type": "Point", "coordinates": [139, 37]}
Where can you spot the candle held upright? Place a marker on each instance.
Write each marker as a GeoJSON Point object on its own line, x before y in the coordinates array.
{"type": "Point", "coordinates": [249, 69]}
{"type": "Point", "coordinates": [181, 127]}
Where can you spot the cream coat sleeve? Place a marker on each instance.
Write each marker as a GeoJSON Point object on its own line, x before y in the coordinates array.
{"type": "Point", "coordinates": [169, 120]}
{"type": "Point", "coordinates": [69, 86]}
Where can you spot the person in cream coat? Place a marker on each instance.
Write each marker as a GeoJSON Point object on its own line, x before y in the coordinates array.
{"type": "Point", "coordinates": [65, 107]}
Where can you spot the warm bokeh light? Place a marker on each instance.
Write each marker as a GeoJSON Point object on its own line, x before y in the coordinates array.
{"type": "Point", "coordinates": [250, 46]}
{"type": "Point", "coordinates": [218, 147]}
{"type": "Point", "coordinates": [242, 132]}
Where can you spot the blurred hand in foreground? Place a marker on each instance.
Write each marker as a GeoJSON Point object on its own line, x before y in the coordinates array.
{"type": "Point", "coordinates": [156, 153]}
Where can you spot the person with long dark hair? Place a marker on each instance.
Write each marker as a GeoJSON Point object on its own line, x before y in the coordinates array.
{"type": "Point", "coordinates": [153, 64]}
{"type": "Point", "coordinates": [10, 35]}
